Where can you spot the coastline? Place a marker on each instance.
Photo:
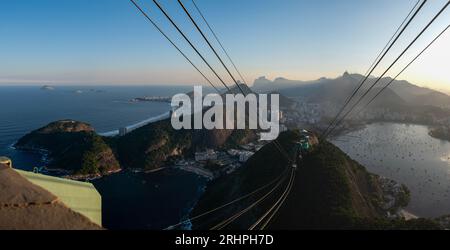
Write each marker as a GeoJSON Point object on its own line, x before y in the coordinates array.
{"type": "Point", "coordinates": [407, 215]}
{"type": "Point", "coordinates": [92, 177]}
{"type": "Point", "coordinates": [197, 171]}
{"type": "Point", "coordinates": [59, 172]}
{"type": "Point", "coordinates": [362, 124]}
{"type": "Point", "coordinates": [137, 125]}
{"type": "Point", "coordinates": [440, 133]}
{"type": "Point", "coordinates": [154, 170]}
{"type": "Point", "coordinates": [187, 225]}
{"type": "Point", "coordinates": [417, 166]}
{"type": "Point", "coordinates": [13, 145]}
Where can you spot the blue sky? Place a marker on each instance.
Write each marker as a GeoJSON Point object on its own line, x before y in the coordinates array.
{"type": "Point", "coordinates": [109, 42]}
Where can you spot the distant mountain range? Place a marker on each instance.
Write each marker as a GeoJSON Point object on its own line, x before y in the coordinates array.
{"type": "Point", "coordinates": [262, 84]}
{"type": "Point", "coordinates": [336, 90]}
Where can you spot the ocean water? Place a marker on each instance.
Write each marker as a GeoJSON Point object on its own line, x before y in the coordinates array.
{"type": "Point", "coordinates": [23, 109]}
{"type": "Point", "coordinates": [148, 201]}
{"type": "Point", "coordinates": [407, 154]}
{"type": "Point", "coordinates": [130, 200]}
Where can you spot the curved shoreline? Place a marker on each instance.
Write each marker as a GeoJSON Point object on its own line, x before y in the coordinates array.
{"type": "Point", "coordinates": [408, 215]}
{"type": "Point", "coordinates": [132, 127]}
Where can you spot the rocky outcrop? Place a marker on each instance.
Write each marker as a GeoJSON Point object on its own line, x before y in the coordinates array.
{"type": "Point", "coordinates": [65, 126]}
{"type": "Point", "coordinates": [47, 87]}
{"type": "Point", "coordinates": [151, 146]}
{"type": "Point", "coordinates": [440, 132]}
{"type": "Point", "coordinates": [72, 146]}
{"type": "Point", "coordinates": [330, 191]}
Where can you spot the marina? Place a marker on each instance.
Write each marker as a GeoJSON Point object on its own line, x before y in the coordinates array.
{"type": "Point", "coordinates": [408, 155]}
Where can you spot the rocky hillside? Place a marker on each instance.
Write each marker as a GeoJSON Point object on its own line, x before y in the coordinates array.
{"type": "Point", "coordinates": [331, 191]}
{"type": "Point", "coordinates": [72, 146]}
{"type": "Point", "coordinates": [336, 90]}
{"type": "Point", "coordinates": [151, 146]}
{"type": "Point", "coordinates": [148, 147]}
{"type": "Point", "coordinates": [65, 126]}
{"type": "Point", "coordinates": [262, 84]}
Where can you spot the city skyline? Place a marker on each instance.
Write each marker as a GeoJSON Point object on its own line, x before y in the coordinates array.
{"type": "Point", "coordinates": [110, 43]}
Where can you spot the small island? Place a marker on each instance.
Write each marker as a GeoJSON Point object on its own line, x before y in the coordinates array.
{"type": "Point", "coordinates": [440, 132]}
{"type": "Point", "coordinates": [47, 87]}
{"type": "Point", "coordinates": [167, 99]}
{"type": "Point", "coordinates": [72, 147]}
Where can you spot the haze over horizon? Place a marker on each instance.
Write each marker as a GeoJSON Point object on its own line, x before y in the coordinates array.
{"type": "Point", "coordinates": [109, 43]}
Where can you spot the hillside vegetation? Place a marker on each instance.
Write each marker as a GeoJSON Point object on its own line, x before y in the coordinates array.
{"type": "Point", "coordinates": [72, 146]}
{"type": "Point", "coordinates": [331, 191]}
